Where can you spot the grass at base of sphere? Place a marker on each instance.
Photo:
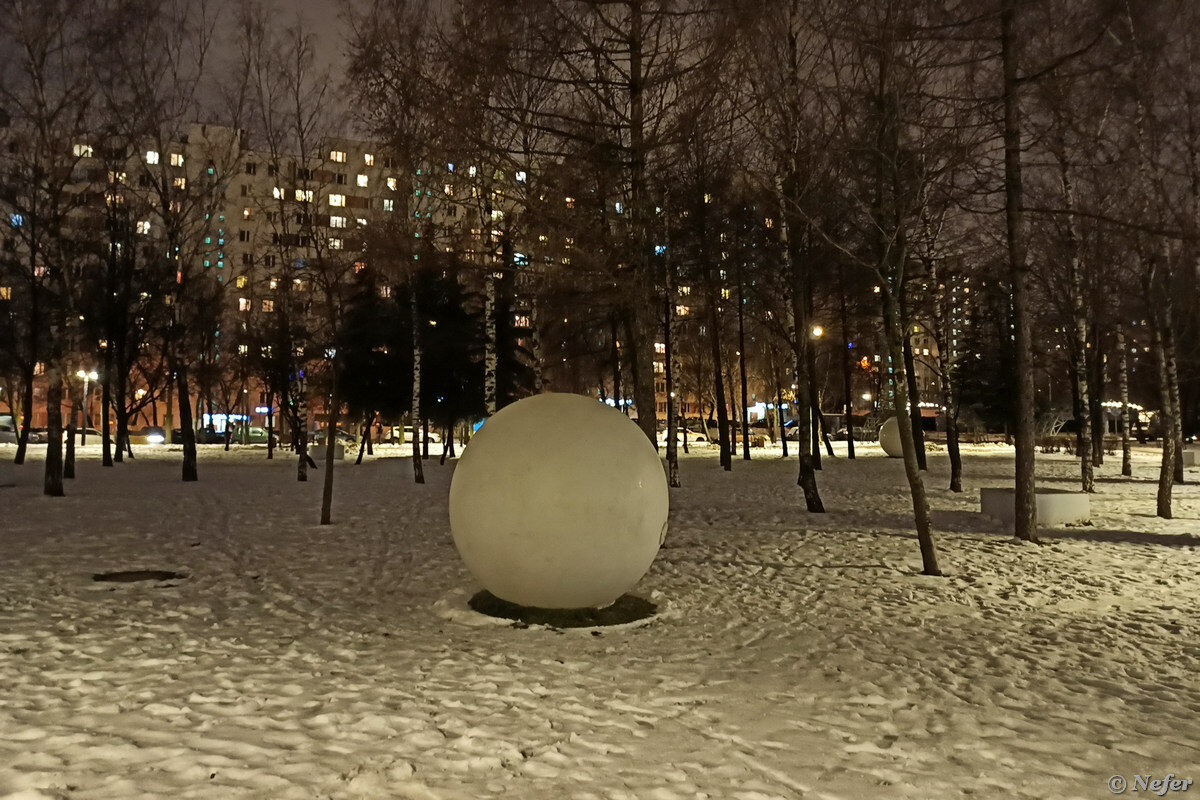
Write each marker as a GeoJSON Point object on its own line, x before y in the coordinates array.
{"type": "Point", "coordinates": [626, 609]}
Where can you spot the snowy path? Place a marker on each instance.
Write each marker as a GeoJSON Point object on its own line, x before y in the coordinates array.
{"type": "Point", "coordinates": [794, 656]}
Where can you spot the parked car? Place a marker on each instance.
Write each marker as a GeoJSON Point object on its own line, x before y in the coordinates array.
{"type": "Point", "coordinates": [692, 435]}
{"type": "Point", "coordinates": [203, 436]}
{"type": "Point", "coordinates": [9, 433]}
{"type": "Point", "coordinates": [342, 436]}
{"type": "Point", "coordinates": [434, 436]}
{"type": "Point", "coordinates": [257, 435]}
{"type": "Point", "coordinates": [90, 435]}
{"type": "Point", "coordinates": [148, 435]}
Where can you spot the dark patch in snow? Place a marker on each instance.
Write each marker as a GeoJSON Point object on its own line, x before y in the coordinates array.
{"type": "Point", "coordinates": [626, 609]}
{"type": "Point", "coordinates": [129, 576]}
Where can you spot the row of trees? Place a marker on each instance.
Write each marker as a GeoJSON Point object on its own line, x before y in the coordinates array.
{"type": "Point", "coordinates": [667, 181]}
{"type": "Point", "coordinates": [923, 150]}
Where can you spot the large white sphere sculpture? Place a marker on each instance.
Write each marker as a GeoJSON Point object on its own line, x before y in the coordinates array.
{"type": "Point", "coordinates": [559, 501]}
{"type": "Point", "coordinates": [889, 438]}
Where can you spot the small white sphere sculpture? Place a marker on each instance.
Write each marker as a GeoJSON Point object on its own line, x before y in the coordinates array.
{"type": "Point", "coordinates": [889, 438]}
{"type": "Point", "coordinates": [559, 501]}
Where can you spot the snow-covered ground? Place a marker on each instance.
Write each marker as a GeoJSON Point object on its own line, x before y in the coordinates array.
{"type": "Point", "coordinates": [793, 655]}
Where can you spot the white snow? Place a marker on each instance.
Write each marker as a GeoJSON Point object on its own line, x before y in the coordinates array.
{"type": "Point", "coordinates": [794, 656]}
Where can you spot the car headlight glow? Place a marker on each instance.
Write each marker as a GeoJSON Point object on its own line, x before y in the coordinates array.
{"type": "Point", "coordinates": [155, 438]}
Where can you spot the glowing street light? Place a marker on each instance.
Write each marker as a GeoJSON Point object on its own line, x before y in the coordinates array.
{"type": "Point", "coordinates": [818, 331]}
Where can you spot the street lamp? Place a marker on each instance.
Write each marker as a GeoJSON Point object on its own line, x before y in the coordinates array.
{"type": "Point", "coordinates": [87, 377]}
{"type": "Point", "coordinates": [817, 331]}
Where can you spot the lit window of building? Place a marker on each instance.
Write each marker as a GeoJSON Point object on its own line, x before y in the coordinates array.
{"type": "Point", "coordinates": [151, 156]}
{"type": "Point", "coordinates": [389, 205]}
{"type": "Point", "coordinates": [243, 304]}
{"type": "Point", "coordinates": [337, 222]}
{"type": "Point", "coordinates": [240, 282]}
{"type": "Point", "coordinates": [180, 182]}
{"type": "Point", "coordinates": [521, 176]}
{"type": "Point", "coordinates": [335, 244]}
{"type": "Point", "coordinates": [304, 195]}
{"type": "Point", "coordinates": [82, 150]}
{"type": "Point", "coordinates": [362, 180]}
{"type": "Point", "coordinates": [369, 159]}
{"type": "Point", "coordinates": [277, 193]}
{"type": "Point", "coordinates": [337, 200]}
{"type": "Point", "coordinates": [143, 226]}
{"type": "Point", "coordinates": [338, 156]}
{"type": "Point", "coordinates": [176, 159]}
{"type": "Point", "coordinates": [391, 184]}
{"type": "Point", "coordinates": [268, 306]}
{"type": "Point", "coordinates": [246, 213]}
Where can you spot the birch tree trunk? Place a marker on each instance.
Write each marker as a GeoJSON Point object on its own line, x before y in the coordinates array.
{"type": "Point", "coordinates": [714, 343]}
{"type": "Point", "coordinates": [300, 432]}
{"type": "Point", "coordinates": [1025, 521]}
{"type": "Point", "coordinates": [187, 428]}
{"type": "Point", "coordinates": [72, 430]}
{"type": "Point", "coordinates": [1079, 330]}
{"type": "Point", "coordinates": [331, 444]}
{"type": "Point", "coordinates": [418, 467]}
{"type": "Point", "coordinates": [1166, 472]}
{"type": "Point", "coordinates": [741, 318]}
{"type": "Point", "coordinates": [807, 479]}
{"type": "Point", "coordinates": [947, 358]}
{"type": "Point", "coordinates": [671, 333]}
{"type": "Point", "coordinates": [535, 347]}
{"type": "Point", "coordinates": [895, 332]}
{"type": "Point", "coordinates": [1095, 391]}
{"type": "Point", "coordinates": [914, 398]}
{"type": "Point", "coordinates": [490, 357]}
{"type": "Point", "coordinates": [1173, 393]}
{"type": "Point", "coordinates": [52, 484]}
{"type": "Point", "coordinates": [106, 456]}
{"type": "Point", "coordinates": [1123, 389]}
{"type": "Point", "coordinates": [847, 381]}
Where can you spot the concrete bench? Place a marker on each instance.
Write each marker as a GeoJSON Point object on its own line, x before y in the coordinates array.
{"type": "Point", "coordinates": [1189, 458]}
{"type": "Point", "coordinates": [1055, 507]}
